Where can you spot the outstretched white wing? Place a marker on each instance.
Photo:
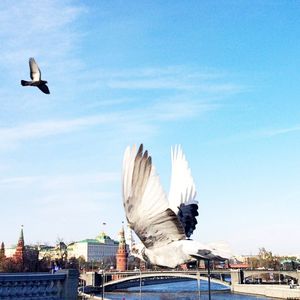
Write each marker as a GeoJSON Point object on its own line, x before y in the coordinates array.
{"type": "Point", "coordinates": [145, 202]}
{"type": "Point", "coordinates": [35, 73]}
{"type": "Point", "coordinates": [182, 194]}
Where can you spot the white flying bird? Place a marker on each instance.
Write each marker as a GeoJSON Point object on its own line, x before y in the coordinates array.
{"type": "Point", "coordinates": [35, 75]}
{"type": "Point", "coordinates": [163, 225]}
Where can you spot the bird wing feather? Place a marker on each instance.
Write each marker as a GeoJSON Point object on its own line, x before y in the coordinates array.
{"type": "Point", "coordinates": [182, 194]}
{"type": "Point", "coordinates": [145, 201]}
{"type": "Point", "coordinates": [35, 73]}
{"type": "Point", "coordinates": [44, 88]}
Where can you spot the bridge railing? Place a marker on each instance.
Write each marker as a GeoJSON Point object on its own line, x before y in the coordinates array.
{"type": "Point", "coordinates": [22, 286]}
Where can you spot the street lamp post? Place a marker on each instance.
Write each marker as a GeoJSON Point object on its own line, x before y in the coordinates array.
{"type": "Point", "coordinates": [198, 283]}
{"type": "Point", "coordinates": [103, 280]}
{"type": "Point", "coordinates": [140, 284]}
{"type": "Point", "coordinates": [208, 277]}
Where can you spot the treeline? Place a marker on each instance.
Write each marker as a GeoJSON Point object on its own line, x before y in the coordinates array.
{"type": "Point", "coordinates": [30, 263]}
{"type": "Point", "coordinates": [266, 260]}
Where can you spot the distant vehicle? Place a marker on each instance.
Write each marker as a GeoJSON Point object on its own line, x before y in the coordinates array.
{"type": "Point", "coordinates": [253, 280]}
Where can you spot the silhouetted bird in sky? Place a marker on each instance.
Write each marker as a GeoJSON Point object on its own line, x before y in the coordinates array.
{"type": "Point", "coordinates": [35, 75]}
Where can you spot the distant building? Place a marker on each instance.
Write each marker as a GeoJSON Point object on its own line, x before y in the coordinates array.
{"type": "Point", "coordinates": [100, 249]}
{"type": "Point", "coordinates": [24, 256]}
{"type": "Point", "coordinates": [2, 251]}
{"type": "Point", "coordinates": [53, 252]}
{"type": "Point", "coordinates": [20, 249]}
{"type": "Point", "coordinates": [239, 266]}
{"type": "Point", "coordinates": [17, 251]}
{"type": "Point", "coordinates": [10, 251]}
{"type": "Point", "coordinates": [94, 249]}
{"type": "Point", "coordinates": [121, 256]}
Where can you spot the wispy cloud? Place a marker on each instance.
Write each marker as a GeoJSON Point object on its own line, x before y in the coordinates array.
{"type": "Point", "coordinates": [144, 97]}
{"type": "Point", "coordinates": [173, 84]}
{"type": "Point", "coordinates": [270, 132]}
{"type": "Point", "coordinates": [48, 32]}
{"type": "Point", "coordinates": [88, 195]}
{"type": "Point", "coordinates": [257, 134]}
{"type": "Point", "coordinates": [20, 181]}
{"type": "Point", "coordinates": [278, 131]}
{"type": "Point", "coordinates": [141, 119]}
{"type": "Point", "coordinates": [42, 26]}
{"type": "Point", "coordinates": [59, 181]}
{"type": "Point", "coordinates": [160, 94]}
{"type": "Point", "coordinates": [12, 135]}
{"type": "Point", "coordinates": [174, 78]}
{"type": "Point", "coordinates": [180, 108]}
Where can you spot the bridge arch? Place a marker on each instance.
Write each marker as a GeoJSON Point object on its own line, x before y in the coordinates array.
{"type": "Point", "coordinates": [134, 280]}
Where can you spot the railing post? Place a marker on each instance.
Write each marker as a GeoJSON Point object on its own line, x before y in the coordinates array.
{"type": "Point", "coordinates": [235, 277]}
{"type": "Point", "coordinates": [70, 284]}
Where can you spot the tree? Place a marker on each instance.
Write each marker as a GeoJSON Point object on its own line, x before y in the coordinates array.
{"type": "Point", "coordinates": [72, 263]}
{"type": "Point", "coordinates": [10, 265]}
{"type": "Point", "coordinates": [31, 260]}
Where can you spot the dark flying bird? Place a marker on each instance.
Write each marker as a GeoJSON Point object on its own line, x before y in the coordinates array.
{"type": "Point", "coordinates": [35, 75]}
{"type": "Point", "coordinates": [163, 223]}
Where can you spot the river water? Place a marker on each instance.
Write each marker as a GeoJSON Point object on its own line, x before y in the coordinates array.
{"type": "Point", "coordinates": [185, 290]}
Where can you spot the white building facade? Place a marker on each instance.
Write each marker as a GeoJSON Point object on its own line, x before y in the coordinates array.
{"type": "Point", "coordinates": [94, 249]}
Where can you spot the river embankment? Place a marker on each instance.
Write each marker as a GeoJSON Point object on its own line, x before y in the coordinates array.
{"type": "Point", "coordinates": [272, 291]}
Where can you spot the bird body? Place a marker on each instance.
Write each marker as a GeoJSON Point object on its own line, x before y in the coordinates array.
{"type": "Point", "coordinates": [35, 75]}
{"type": "Point", "coordinates": [180, 252]}
{"type": "Point", "coordinates": [163, 225]}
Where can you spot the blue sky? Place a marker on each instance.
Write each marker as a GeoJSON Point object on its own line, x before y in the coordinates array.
{"type": "Point", "coordinates": [221, 78]}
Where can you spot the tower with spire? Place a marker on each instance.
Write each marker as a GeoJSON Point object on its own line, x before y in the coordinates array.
{"type": "Point", "coordinates": [20, 249]}
{"type": "Point", "coordinates": [121, 256]}
{"type": "Point", "coordinates": [2, 251]}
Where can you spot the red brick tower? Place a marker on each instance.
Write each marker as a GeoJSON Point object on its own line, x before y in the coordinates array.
{"type": "Point", "coordinates": [121, 256]}
{"type": "Point", "coordinates": [2, 251]}
{"type": "Point", "coordinates": [20, 249]}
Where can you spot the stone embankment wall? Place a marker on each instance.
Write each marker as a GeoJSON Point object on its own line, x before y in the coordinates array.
{"type": "Point", "coordinates": [273, 291]}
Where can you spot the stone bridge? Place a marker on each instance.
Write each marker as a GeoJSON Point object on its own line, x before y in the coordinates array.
{"type": "Point", "coordinates": [40, 286]}
{"type": "Point", "coordinates": [119, 280]}
{"type": "Point", "coordinates": [157, 277]}
{"type": "Point", "coordinates": [218, 276]}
